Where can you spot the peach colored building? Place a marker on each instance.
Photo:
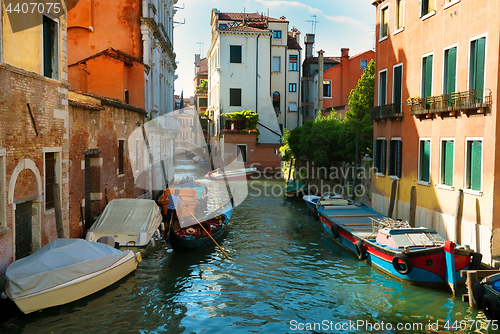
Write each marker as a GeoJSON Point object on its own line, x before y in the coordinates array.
{"type": "Point", "coordinates": [435, 116]}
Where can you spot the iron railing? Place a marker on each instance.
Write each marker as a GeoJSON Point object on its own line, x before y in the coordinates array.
{"type": "Point", "coordinates": [472, 99]}
{"type": "Point", "coordinates": [387, 111]}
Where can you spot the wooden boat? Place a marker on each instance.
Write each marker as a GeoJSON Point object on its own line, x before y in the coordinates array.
{"type": "Point", "coordinates": [192, 192]}
{"type": "Point", "coordinates": [415, 255]}
{"type": "Point", "coordinates": [192, 236]}
{"type": "Point", "coordinates": [65, 270]}
{"type": "Point", "coordinates": [132, 222]}
{"type": "Point", "coordinates": [486, 295]}
{"type": "Point", "coordinates": [312, 200]}
{"type": "Point", "coordinates": [295, 188]}
{"type": "Point", "coordinates": [231, 174]}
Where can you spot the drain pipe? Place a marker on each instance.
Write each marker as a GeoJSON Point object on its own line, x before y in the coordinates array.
{"type": "Point", "coordinates": [257, 76]}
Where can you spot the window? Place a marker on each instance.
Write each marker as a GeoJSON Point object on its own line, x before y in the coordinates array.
{"type": "Point", "coordinates": [327, 88]}
{"type": "Point", "coordinates": [477, 62]}
{"type": "Point", "coordinates": [379, 156]}
{"type": "Point", "coordinates": [447, 152]}
{"type": "Point", "coordinates": [241, 153]}
{"type": "Point", "coordinates": [426, 7]}
{"type": "Point", "coordinates": [399, 14]}
{"type": "Point", "coordinates": [203, 102]}
{"type": "Point", "coordinates": [397, 89]}
{"type": "Point", "coordinates": [424, 166]}
{"type": "Point", "coordinates": [235, 54]}
{"type": "Point", "coordinates": [137, 161]}
{"type": "Point", "coordinates": [384, 22]}
{"type": "Point", "coordinates": [427, 76]}
{"type": "Point", "coordinates": [363, 64]}
{"type": "Point", "coordinates": [394, 157]}
{"type": "Point", "coordinates": [50, 179]}
{"type": "Point", "coordinates": [121, 146]}
{"type": "Point", "coordinates": [382, 88]}
{"type": "Point", "coordinates": [473, 164]}
{"type": "Point", "coordinates": [292, 87]}
{"type": "Point", "coordinates": [276, 102]}
{"type": "Point", "coordinates": [292, 107]}
{"type": "Point", "coordinates": [277, 34]}
{"type": "Point", "coordinates": [450, 70]}
{"type": "Point", "coordinates": [3, 218]}
{"type": "Point", "coordinates": [276, 64]}
{"type": "Point", "coordinates": [292, 63]}
{"type": "Point", "coordinates": [50, 48]}
{"type": "Point", "coordinates": [235, 97]}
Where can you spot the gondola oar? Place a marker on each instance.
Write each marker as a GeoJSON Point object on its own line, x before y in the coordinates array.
{"type": "Point", "coordinates": [204, 229]}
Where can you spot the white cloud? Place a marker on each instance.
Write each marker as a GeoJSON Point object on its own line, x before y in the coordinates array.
{"type": "Point", "coordinates": [347, 20]}
{"type": "Point", "coordinates": [283, 4]}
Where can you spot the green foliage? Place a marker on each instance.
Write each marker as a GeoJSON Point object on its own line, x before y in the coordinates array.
{"type": "Point", "coordinates": [250, 116]}
{"type": "Point", "coordinates": [333, 138]}
{"type": "Point", "coordinates": [286, 152]}
{"type": "Point", "coordinates": [203, 86]}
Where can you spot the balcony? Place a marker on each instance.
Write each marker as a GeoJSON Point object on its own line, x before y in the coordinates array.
{"type": "Point", "coordinates": [388, 111]}
{"type": "Point", "coordinates": [469, 102]}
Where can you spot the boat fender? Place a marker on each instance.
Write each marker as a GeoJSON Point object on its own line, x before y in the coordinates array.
{"type": "Point", "coordinates": [360, 249]}
{"type": "Point", "coordinates": [314, 213]}
{"type": "Point", "coordinates": [476, 261]}
{"type": "Point", "coordinates": [476, 295]}
{"type": "Point", "coordinates": [335, 231]}
{"type": "Point", "coordinates": [403, 268]}
{"type": "Point", "coordinates": [491, 308]}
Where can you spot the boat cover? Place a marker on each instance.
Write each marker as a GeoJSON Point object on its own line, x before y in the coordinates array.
{"type": "Point", "coordinates": [126, 215]}
{"type": "Point", "coordinates": [58, 262]}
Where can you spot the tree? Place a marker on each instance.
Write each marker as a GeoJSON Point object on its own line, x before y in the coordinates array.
{"type": "Point", "coordinates": [362, 97]}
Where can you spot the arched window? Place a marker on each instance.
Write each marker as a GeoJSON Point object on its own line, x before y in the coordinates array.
{"type": "Point", "coordinates": [276, 102]}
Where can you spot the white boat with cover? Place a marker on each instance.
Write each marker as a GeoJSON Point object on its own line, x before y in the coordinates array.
{"type": "Point", "coordinates": [132, 222]}
{"type": "Point", "coordinates": [65, 270]}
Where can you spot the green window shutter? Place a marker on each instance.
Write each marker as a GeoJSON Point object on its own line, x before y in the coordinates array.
{"type": "Point", "coordinates": [235, 53]}
{"type": "Point", "coordinates": [382, 156]}
{"type": "Point", "coordinates": [448, 163]}
{"type": "Point", "coordinates": [398, 94]}
{"type": "Point", "coordinates": [450, 70]}
{"type": "Point", "coordinates": [47, 47]}
{"type": "Point", "coordinates": [390, 158]}
{"type": "Point", "coordinates": [376, 153]}
{"type": "Point", "coordinates": [480, 61]}
{"type": "Point", "coordinates": [425, 158]}
{"type": "Point", "coordinates": [383, 89]}
{"type": "Point", "coordinates": [399, 155]}
{"type": "Point", "coordinates": [475, 165]}
{"type": "Point", "coordinates": [427, 76]}
{"type": "Point", "coordinates": [424, 7]}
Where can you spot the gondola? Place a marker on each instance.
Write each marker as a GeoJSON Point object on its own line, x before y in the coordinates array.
{"type": "Point", "coordinates": [193, 236]}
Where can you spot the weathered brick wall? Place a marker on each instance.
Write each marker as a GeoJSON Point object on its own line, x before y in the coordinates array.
{"type": "Point", "coordinates": [100, 129]}
{"type": "Point", "coordinates": [259, 155]}
{"type": "Point", "coordinates": [48, 102]}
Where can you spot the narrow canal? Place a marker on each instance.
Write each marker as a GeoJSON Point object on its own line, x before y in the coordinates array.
{"type": "Point", "coordinates": [284, 274]}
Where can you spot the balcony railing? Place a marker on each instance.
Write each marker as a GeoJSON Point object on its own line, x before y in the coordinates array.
{"type": "Point", "coordinates": [472, 100]}
{"type": "Point", "coordinates": [388, 111]}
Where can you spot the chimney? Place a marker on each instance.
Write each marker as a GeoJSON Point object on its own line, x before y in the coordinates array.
{"type": "Point", "coordinates": [197, 58]}
{"type": "Point", "coordinates": [320, 79]}
{"type": "Point", "coordinates": [309, 42]}
{"type": "Point", "coordinates": [296, 34]}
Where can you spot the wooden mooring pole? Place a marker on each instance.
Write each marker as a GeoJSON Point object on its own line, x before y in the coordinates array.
{"type": "Point", "coordinates": [393, 198]}
{"type": "Point", "coordinates": [413, 205]}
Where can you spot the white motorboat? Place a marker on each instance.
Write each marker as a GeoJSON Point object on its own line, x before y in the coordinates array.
{"type": "Point", "coordinates": [65, 270]}
{"type": "Point", "coordinates": [132, 222]}
{"type": "Point", "coordinates": [230, 174]}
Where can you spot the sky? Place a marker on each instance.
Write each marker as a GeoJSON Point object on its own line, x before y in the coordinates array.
{"type": "Point", "coordinates": [339, 24]}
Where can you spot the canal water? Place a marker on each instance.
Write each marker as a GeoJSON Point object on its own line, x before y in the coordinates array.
{"type": "Point", "coordinates": [284, 275]}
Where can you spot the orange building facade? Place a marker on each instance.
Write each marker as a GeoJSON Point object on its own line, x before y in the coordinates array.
{"type": "Point", "coordinates": [338, 81]}
{"type": "Point", "coordinates": [436, 124]}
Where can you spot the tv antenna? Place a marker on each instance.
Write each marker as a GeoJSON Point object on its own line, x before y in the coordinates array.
{"type": "Point", "coordinates": [313, 23]}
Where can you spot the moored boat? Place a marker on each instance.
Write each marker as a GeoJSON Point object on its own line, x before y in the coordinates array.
{"type": "Point", "coordinates": [312, 200]}
{"type": "Point", "coordinates": [295, 188]}
{"type": "Point", "coordinates": [486, 296]}
{"type": "Point", "coordinates": [191, 235]}
{"type": "Point", "coordinates": [65, 270]}
{"type": "Point", "coordinates": [132, 222]}
{"type": "Point", "coordinates": [230, 174]}
{"type": "Point", "coordinates": [415, 255]}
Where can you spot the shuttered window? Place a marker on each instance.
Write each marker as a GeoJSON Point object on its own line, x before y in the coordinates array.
{"type": "Point", "coordinates": [450, 70]}
{"type": "Point", "coordinates": [384, 22]}
{"type": "Point", "coordinates": [235, 53]}
{"type": "Point", "coordinates": [235, 97]}
{"type": "Point", "coordinates": [382, 88]}
{"type": "Point", "coordinates": [474, 168]}
{"type": "Point", "coordinates": [447, 152]}
{"type": "Point", "coordinates": [399, 14]}
{"type": "Point", "coordinates": [477, 61]}
{"type": "Point", "coordinates": [121, 147]}
{"type": "Point", "coordinates": [427, 6]}
{"type": "Point", "coordinates": [397, 93]}
{"type": "Point", "coordinates": [276, 64]}
{"type": "Point", "coordinates": [50, 179]}
{"type": "Point", "coordinates": [50, 48]}
{"type": "Point", "coordinates": [379, 155]}
{"type": "Point", "coordinates": [394, 158]}
{"type": "Point", "coordinates": [427, 76]}
{"type": "Point", "coordinates": [424, 173]}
